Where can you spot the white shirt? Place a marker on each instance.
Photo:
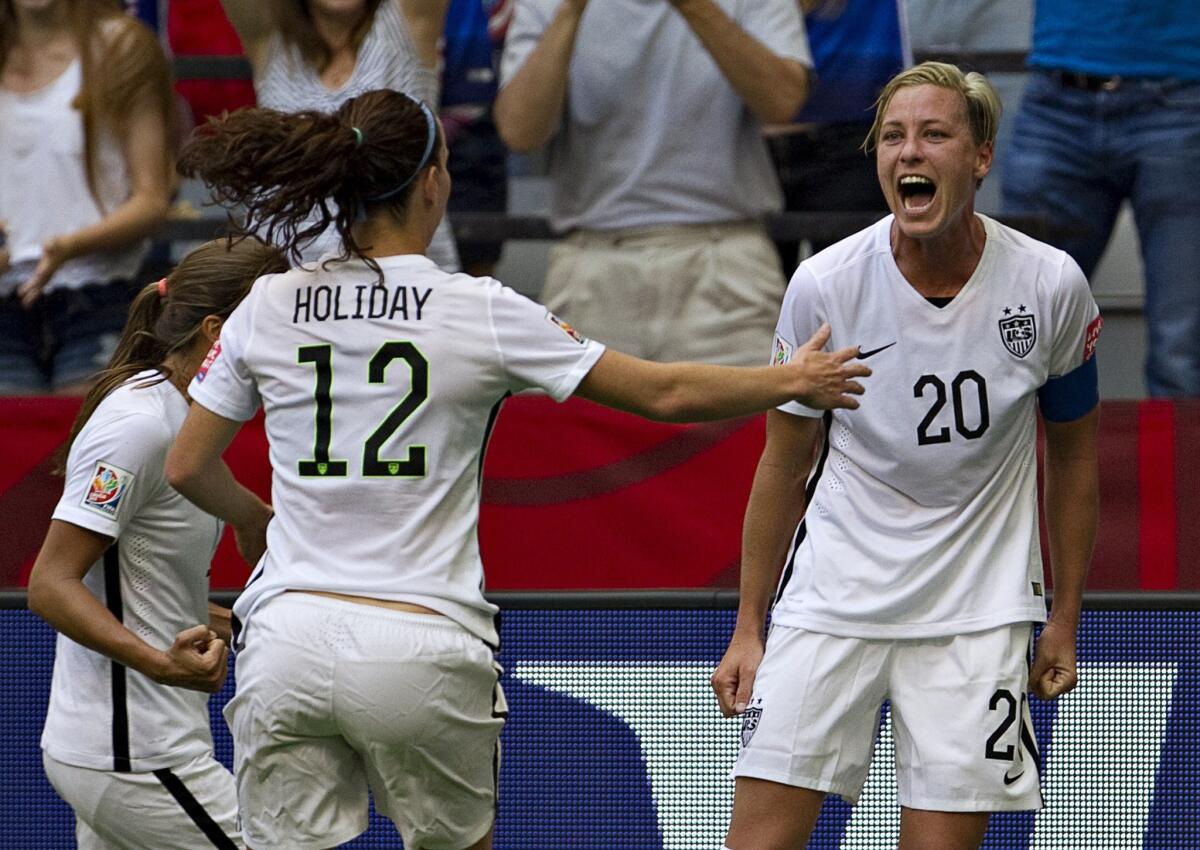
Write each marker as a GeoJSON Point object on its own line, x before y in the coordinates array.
{"type": "Point", "coordinates": [652, 131]}
{"type": "Point", "coordinates": [103, 715]}
{"type": "Point", "coordinates": [376, 490]}
{"type": "Point", "coordinates": [922, 517]}
{"type": "Point", "coordinates": [43, 185]}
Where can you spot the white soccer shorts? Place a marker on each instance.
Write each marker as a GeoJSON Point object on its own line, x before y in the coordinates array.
{"type": "Point", "coordinates": [181, 808]}
{"type": "Point", "coordinates": [960, 717]}
{"type": "Point", "coordinates": [334, 697]}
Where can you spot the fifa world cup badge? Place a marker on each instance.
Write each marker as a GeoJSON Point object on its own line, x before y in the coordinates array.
{"type": "Point", "coordinates": [106, 490]}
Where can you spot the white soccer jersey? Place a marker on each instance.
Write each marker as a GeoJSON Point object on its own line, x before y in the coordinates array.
{"type": "Point", "coordinates": [154, 579]}
{"type": "Point", "coordinates": [922, 516]}
{"type": "Point", "coordinates": [379, 400]}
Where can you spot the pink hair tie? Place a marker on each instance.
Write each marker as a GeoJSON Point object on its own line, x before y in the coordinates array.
{"type": "Point", "coordinates": [162, 288]}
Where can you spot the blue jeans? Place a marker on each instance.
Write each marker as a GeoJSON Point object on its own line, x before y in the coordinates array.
{"type": "Point", "coordinates": [1076, 155]}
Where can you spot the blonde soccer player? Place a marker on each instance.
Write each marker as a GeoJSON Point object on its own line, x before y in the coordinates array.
{"type": "Point", "coordinates": [366, 644]}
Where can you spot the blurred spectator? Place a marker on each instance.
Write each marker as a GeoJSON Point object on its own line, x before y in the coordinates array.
{"type": "Point", "coordinates": [1112, 113]}
{"type": "Point", "coordinates": [652, 113]}
{"type": "Point", "coordinates": [478, 162]}
{"type": "Point", "coordinates": [857, 46]}
{"type": "Point", "coordinates": [86, 109]}
{"type": "Point", "coordinates": [317, 54]}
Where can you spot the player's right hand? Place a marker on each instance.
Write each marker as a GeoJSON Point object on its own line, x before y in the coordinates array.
{"type": "Point", "coordinates": [733, 680]}
{"type": "Point", "coordinates": [251, 539]}
{"type": "Point", "coordinates": [198, 660]}
{"type": "Point", "coordinates": [826, 379]}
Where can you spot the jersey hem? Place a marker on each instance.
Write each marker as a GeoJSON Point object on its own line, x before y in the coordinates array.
{"type": "Point", "coordinates": [906, 631]}
{"type": "Point", "coordinates": [583, 365]}
{"type": "Point", "coordinates": [87, 520]}
{"type": "Point", "coordinates": [217, 406]}
{"type": "Point", "coordinates": [94, 761]}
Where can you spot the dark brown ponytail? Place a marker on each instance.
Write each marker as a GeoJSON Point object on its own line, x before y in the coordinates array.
{"type": "Point", "coordinates": [280, 167]}
{"type": "Point", "coordinates": [210, 281]}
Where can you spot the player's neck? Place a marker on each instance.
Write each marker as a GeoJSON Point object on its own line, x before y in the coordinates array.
{"type": "Point", "coordinates": [379, 237]}
{"type": "Point", "coordinates": [939, 266]}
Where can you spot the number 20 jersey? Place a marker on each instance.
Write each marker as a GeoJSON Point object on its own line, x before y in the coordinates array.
{"type": "Point", "coordinates": [922, 515]}
{"type": "Point", "coordinates": [378, 402]}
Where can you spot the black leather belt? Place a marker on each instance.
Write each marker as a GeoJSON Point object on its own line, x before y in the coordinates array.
{"type": "Point", "coordinates": [1091, 82]}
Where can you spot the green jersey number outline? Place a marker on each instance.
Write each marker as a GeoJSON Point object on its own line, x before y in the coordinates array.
{"type": "Point", "coordinates": [415, 463]}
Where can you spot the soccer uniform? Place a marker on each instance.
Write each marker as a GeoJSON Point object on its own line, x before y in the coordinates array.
{"type": "Point", "coordinates": [379, 399]}
{"type": "Point", "coordinates": [916, 572]}
{"type": "Point", "coordinates": [135, 758]}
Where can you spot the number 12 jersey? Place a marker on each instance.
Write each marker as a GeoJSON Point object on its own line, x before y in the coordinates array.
{"type": "Point", "coordinates": [379, 398]}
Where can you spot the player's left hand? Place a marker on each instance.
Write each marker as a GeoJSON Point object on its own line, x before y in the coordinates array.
{"type": "Point", "coordinates": [55, 252]}
{"type": "Point", "coordinates": [1054, 670]}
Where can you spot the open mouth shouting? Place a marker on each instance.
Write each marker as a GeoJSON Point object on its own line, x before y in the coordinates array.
{"type": "Point", "coordinates": [916, 193]}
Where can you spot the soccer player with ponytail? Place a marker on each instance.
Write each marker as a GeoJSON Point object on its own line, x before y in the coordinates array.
{"type": "Point", "coordinates": [123, 577]}
{"type": "Point", "coordinates": [366, 649]}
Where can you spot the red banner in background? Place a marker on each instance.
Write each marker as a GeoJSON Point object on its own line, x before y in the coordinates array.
{"type": "Point", "coordinates": [576, 496]}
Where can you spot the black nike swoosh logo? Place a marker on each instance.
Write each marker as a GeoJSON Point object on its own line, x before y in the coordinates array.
{"type": "Point", "coordinates": [863, 355]}
{"type": "Point", "coordinates": [1009, 780]}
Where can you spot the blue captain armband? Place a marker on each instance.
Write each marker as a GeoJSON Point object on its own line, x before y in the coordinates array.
{"type": "Point", "coordinates": [1070, 396]}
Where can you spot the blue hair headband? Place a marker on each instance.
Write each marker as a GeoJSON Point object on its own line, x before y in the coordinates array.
{"type": "Point", "coordinates": [430, 138]}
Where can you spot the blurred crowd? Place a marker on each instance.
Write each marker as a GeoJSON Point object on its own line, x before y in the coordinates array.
{"type": "Point", "coordinates": [669, 130]}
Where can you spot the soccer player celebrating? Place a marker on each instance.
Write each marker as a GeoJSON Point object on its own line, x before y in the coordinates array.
{"type": "Point", "coordinates": [366, 645]}
{"type": "Point", "coordinates": [907, 530]}
{"type": "Point", "coordinates": [123, 577]}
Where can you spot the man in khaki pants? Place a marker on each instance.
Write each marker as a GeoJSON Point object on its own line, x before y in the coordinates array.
{"type": "Point", "coordinates": [652, 111]}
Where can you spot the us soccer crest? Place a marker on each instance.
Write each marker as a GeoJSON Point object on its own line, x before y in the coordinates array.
{"type": "Point", "coordinates": [750, 723]}
{"type": "Point", "coordinates": [1019, 332]}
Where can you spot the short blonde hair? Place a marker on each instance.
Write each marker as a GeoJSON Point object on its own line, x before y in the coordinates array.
{"type": "Point", "coordinates": [980, 99]}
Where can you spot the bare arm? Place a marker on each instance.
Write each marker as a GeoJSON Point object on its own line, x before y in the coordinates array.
{"type": "Point", "coordinates": [1072, 505]}
{"type": "Point", "coordinates": [773, 86]}
{"type": "Point", "coordinates": [692, 392]}
{"type": "Point", "coordinates": [251, 20]}
{"type": "Point", "coordinates": [196, 470]}
{"type": "Point", "coordinates": [529, 108]}
{"type": "Point", "coordinates": [426, 21]}
{"type": "Point", "coordinates": [144, 147]}
{"type": "Point", "coordinates": [776, 505]}
{"type": "Point", "coordinates": [197, 660]}
{"type": "Point", "coordinates": [220, 620]}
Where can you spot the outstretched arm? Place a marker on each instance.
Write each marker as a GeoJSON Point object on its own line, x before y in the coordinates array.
{"type": "Point", "coordinates": [197, 660]}
{"type": "Point", "coordinates": [773, 86]}
{"type": "Point", "coordinates": [776, 505]}
{"type": "Point", "coordinates": [1072, 505]}
{"type": "Point", "coordinates": [691, 392]}
{"type": "Point", "coordinates": [195, 468]}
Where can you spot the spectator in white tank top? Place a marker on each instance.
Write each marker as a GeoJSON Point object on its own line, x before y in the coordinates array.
{"type": "Point", "coordinates": [85, 177]}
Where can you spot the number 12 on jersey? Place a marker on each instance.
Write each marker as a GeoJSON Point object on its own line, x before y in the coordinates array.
{"type": "Point", "coordinates": [321, 465]}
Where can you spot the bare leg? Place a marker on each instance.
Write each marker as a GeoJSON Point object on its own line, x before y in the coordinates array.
{"type": "Point", "coordinates": [772, 816]}
{"type": "Point", "coordinates": [925, 830]}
